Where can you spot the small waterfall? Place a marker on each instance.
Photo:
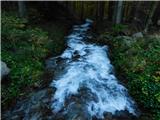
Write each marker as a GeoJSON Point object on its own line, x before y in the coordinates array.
{"type": "Point", "coordinates": [85, 84]}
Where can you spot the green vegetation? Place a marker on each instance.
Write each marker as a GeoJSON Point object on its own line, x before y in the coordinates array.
{"type": "Point", "coordinates": [117, 28]}
{"type": "Point", "coordinates": [137, 61]}
{"type": "Point", "coordinates": [24, 49]}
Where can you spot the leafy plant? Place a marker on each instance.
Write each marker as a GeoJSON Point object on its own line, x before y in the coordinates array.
{"type": "Point", "coordinates": [139, 61]}
{"type": "Point", "coordinates": [118, 28]}
{"type": "Point", "coordinates": [24, 49]}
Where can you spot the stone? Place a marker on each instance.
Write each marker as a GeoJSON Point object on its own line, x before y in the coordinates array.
{"type": "Point", "coordinates": [158, 22]}
{"type": "Point", "coordinates": [137, 35]}
{"type": "Point", "coordinates": [108, 116]}
{"type": "Point", "coordinates": [4, 69]}
{"type": "Point", "coordinates": [35, 107]}
{"type": "Point", "coordinates": [16, 117]}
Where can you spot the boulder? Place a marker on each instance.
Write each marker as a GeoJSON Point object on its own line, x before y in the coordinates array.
{"type": "Point", "coordinates": [158, 22]}
{"type": "Point", "coordinates": [35, 107]}
{"type": "Point", "coordinates": [137, 35]}
{"type": "Point", "coordinates": [4, 69]}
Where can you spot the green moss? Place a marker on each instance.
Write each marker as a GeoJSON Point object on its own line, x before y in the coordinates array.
{"type": "Point", "coordinates": [24, 49]}
{"type": "Point", "coordinates": [56, 43]}
{"type": "Point", "coordinates": [139, 61]}
{"type": "Point", "coordinates": [118, 28]}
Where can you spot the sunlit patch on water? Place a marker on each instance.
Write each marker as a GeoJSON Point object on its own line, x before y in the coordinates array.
{"type": "Point", "coordinates": [87, 79]}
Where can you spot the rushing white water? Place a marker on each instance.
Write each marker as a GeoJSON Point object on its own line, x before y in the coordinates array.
{"type": "Point", "coordinates": [88, 68]}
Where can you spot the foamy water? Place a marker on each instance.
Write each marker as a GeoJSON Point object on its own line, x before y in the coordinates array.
{"type": "Point", "coordinates": [87, 68]}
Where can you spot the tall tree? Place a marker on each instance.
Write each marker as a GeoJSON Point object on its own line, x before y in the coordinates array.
{"type": "Point", "coordinates": [119, 12]}
{"type": "Point", "coordinates": [149, 21]}
{"type": "Point", "coordinates": [82, 10]}
{"type": "Point", "coordinates": [22, 8]}
{"type": "Point", "coordinates": [117, 18]}
{"type": "Point", "coordinates": [100, 10]}
{"type": "Point", "coordinates": [97, 10]}
{"type": "Point", "coordinates": [110, 10]}
{"type": "Point", "coordinates": [136, 8]}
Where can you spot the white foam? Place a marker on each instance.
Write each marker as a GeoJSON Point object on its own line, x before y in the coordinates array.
{"type": "Point", "coordinates": [91, 70]}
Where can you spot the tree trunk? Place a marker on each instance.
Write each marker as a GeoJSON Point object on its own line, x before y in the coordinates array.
{"type": "Point", "coordinates": [114, 12]}
{"type": "Point", "coordinates": [97, 11]}
{"type": "Point", "coordinates": [82, 10]}
{"type": "Point", "coordinates": [136, 8]}
{"type": "Point", "coordinates": [149, 21]}
{"type": "Point", "coordinates": [22, 8]}
{"type": "Point", "coordinates": [119, 12]}
{"type": "Point", "coordinates": [110, 10]}
{"type": "Point", "coordinates": [156, 16]}
{"type": "Point", "coordinates": [101, 10]}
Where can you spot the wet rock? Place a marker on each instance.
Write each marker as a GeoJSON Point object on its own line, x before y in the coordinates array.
{"type": "Point", "coordinates": [84, 93]}
{"type": "Point", "coordinates": [83, 89]}
{"type": "Point", "coordinates": [138, 35]}
{"type": "Point", "coordinates": [126, 32]}
{"type": "Point", "coordinates": [76, 111]}
{"type": "Point", "coordinates": [16, 117]}
{"type": "Point", "coordinates": [36, 107]}
{"type": "Point", "coordinates": [127, 41]}
{"type": "Point", "coordinates": [4, 69]}
{"type": "Point", "coordinates": [158, 22]}
{"type": "Point", "coordinates": [51, 64]}
{"type": "Point", "coordinates": [108, 116]}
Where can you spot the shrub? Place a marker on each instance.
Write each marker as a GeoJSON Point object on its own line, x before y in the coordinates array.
{"type": "Point", "coordinates": [117, 28]}
{"type": "Point", "coordinates": [139, 61]}
{"type": "Point", "coordinates": [23, 49]}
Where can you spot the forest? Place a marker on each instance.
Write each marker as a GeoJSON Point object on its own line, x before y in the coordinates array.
{"type": "Point", "coordinates": [80, 60]}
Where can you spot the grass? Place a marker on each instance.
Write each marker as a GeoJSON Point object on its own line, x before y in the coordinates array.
{"type": "Point", "coordinates": [24, 49]}
{"type": "Point", "coordinates": [137, 63]}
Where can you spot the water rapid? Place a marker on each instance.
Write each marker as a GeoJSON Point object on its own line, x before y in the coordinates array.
{"type": "Point", "coordinates": [85, 83]}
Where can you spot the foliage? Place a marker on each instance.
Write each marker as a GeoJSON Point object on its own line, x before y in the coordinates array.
{"type": "Point", "coordinates": [24, 49]}
{"type": "Point", "coordinates": [139, 61]}
{"type": "Point", "coordinates": [117, 28]}
{"type": "Point", "coordinates": [56, 32]}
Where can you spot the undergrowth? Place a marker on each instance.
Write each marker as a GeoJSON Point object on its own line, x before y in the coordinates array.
{"type": "Point", "coordinates": [24, 50]}
{"type": "Point", "coordinates": [138, 61]}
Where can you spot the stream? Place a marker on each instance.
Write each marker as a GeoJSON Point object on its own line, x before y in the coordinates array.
{"type": "Point", "coordinates": [84, 86]}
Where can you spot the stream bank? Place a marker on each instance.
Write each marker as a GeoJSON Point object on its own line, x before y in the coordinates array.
{"type": "Point", "coordinates": [14, 48]}
{"type": "Point", "coordinates": [25, 47]}
{"type": "Point", "coordinates": [79, 94]}
{"type": "Point", "coordinates": [136, 62]}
